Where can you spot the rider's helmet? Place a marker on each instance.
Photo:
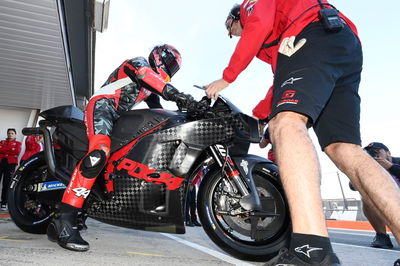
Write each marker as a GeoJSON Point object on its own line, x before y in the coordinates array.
{"type": "Point", "coordinates": [165, 60]}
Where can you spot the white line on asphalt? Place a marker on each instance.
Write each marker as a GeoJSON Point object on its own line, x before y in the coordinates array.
{"type": "Point", "coordinates": [355, 246]}
{"type": "Point", "coordinates": [354, 232]}
{"type": "Point", "coordinates": [351, 230]}
{"type": "Point", "coordinates": [211, 252]}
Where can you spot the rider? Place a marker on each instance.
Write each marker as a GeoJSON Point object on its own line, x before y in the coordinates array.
{"type": "Point", "coordinates": [132, 82]}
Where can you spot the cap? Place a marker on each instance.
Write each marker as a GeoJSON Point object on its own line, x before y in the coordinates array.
{"type": "Point", "coordinates": [376, 145]}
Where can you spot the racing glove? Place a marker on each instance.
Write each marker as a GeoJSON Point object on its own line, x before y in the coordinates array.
{"type": "Point", "coordinates": [184, 101]}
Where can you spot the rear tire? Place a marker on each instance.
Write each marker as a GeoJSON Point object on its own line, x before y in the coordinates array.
{"type": "Point", "coordinates": [232, 233]}
{"type": "Point", "coordinates": [30, 210]}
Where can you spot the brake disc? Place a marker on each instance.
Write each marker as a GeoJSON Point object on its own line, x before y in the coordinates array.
{"type": "Point", "coordinates": [242, 224]}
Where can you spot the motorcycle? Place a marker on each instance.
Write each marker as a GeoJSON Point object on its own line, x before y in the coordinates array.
{"type": "Point", "coordinates": [155, 156]}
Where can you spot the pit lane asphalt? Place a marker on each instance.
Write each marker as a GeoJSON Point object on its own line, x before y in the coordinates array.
{"type": "Point", "coordinates": [112, 245]}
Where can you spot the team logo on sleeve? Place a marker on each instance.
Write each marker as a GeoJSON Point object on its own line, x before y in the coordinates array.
{"type": "Point", "coordinates": [288, 98]}
{"type": "Point", "coordinates": [249, 6]}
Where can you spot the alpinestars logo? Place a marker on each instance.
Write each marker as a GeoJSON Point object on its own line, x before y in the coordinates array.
{"type": "Point", "coordinates": [306, 249]}
{"type": "Point", "coordinates": [290, 81]}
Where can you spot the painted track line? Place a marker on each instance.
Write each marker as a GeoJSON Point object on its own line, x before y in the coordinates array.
{"type": "Point", "coordinates": [368, 248]}
{"type": "Point", "coordinates": [211, 252]}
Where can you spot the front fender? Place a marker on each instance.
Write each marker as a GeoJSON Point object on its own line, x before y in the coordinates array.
{"type": "Point", "coordinates": [246, 164]}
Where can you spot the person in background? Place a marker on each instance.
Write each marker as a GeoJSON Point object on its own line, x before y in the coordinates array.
{"type": "Point", "coordinates": [316, 58]}
{"type": "Point", "coordinates": [32, 146]}
{"type": "Point", "coordinates": [381, 154]}
{"type": "Point", "coordinates": [9, 152]}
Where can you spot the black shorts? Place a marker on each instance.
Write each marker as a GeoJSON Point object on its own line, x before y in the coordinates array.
{"type": "Point", "coordinates": [321, 81]}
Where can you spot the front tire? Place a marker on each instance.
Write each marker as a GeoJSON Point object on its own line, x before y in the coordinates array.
{"type": "Point", "coordinates": [30, 209]}
{"type": "Point", "coordinates": [233, 233]}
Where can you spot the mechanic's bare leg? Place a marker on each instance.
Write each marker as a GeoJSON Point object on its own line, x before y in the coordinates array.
{"type": "Point", "coordinates": [300, 172]}
{"type": "Point", "coordinates": [374, 183]}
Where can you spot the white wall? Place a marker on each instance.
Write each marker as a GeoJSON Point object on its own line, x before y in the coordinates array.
{"type": "Point", "coordinates": [13, 118]}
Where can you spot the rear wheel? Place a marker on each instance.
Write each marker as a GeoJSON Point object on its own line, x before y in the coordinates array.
{"type": "Point", "coordinates": [30, 202]}
{"type": "Point", "coordinates": [230, 227]}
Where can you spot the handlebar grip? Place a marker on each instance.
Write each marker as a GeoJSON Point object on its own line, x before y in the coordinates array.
{"type": "Point", "coordinates": [27, 131]}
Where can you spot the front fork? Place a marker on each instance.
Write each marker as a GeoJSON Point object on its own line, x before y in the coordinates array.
{"type": "Point", "coordinates": [249, 201]}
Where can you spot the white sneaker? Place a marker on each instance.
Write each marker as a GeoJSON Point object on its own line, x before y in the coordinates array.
{"type": "Point", "coordinates": [4, 207]}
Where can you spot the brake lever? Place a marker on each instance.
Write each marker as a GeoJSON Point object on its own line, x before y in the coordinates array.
{"type": "Point", "coordinates": [200, 87]}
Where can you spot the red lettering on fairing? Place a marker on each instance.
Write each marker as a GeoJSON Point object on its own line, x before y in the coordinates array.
{"type": "Point", "coordinates": [142, 171]}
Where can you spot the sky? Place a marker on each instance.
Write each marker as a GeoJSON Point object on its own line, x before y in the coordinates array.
{"type": "Point", "coordinates": [197, 30]}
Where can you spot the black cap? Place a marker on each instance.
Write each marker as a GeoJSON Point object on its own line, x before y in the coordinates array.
{"type": "Point", "coordinates": [376, 145]}
{"type": "Point", "coordinates": [235, 12]}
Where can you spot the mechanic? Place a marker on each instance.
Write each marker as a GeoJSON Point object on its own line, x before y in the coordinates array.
{"type": "Point", "coordinates": [9, 152]}
{"type": "Point", "coordinates": [316, 58]}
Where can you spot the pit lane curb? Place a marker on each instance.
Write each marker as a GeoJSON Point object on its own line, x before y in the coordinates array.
{"type": "Point", "coordinates": [4, 215]}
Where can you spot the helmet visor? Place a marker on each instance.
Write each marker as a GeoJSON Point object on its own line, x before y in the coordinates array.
{"type": "Point", "coordinates": [170, 62]}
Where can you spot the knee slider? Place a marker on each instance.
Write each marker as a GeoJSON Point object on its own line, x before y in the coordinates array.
{"type": "Point", "coordinates": [93, 163]}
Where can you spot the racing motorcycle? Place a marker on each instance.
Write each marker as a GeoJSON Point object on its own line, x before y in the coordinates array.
{"type": "Point", "coordinates": [155, 156]}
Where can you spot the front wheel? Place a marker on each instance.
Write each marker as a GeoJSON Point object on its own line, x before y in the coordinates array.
{"type": "Point", "coordinates": [32, 195]}
{"type": "Point", "coordinates": [230, 227]}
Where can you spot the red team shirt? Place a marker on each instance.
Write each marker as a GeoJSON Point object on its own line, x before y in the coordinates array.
{"type": "Point", "coordinates": [263, 22]}
{"type": "Point", "coordinates": [10, 150]}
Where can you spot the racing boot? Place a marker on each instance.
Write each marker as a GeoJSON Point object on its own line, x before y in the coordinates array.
{"type": "Point", "coordinates": [82, 221]}
{"type": "Point", "coordinates": [64, 229]}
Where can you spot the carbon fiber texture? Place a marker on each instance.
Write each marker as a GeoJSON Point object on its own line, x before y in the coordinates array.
{"type": "Point", "coordinates": [149, 206]}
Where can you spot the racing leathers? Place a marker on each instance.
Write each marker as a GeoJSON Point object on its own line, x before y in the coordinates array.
{"type": "Point", "coordinates": [132, 82]}
{"type": "Point", "coordinates": [264, 22]}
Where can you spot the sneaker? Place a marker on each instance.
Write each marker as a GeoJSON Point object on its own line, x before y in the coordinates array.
{"type": "Point", "coordinates": [64, 230]}
{"type": "Point", "coordinates": [381, 241]}
{"type": "Point", "coordinates": [397, 263]}
{"type": "Point", "coordinates": [4, 207]}
{"type": "Point", "coordinates": [285, 257]}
